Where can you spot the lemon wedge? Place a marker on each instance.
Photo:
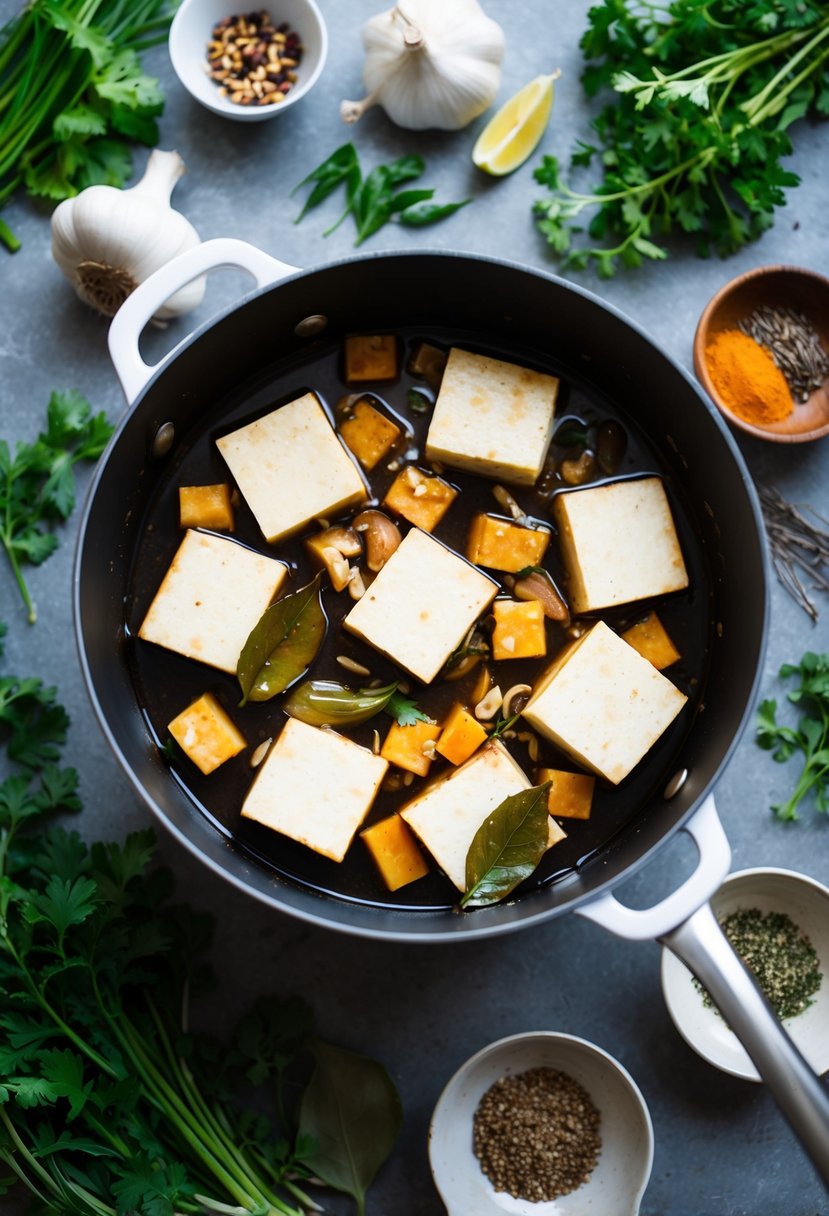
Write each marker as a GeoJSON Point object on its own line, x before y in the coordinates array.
{"type": "Point", "coordinates": [514, 132]}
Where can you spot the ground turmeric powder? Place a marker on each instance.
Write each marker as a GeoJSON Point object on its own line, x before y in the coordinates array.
{"type": "Point", "coordinates": [747, 379]}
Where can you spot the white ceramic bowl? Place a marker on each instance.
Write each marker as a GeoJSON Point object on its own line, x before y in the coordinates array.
{"type": "Point", "coordinates": [190, 33]}
{"type": "Point", "coordinates": [617, 1183]}
{"type": "Point", "coordinates": [771, 890]}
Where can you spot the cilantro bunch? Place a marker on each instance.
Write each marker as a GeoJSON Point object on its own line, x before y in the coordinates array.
{"type": "Point", "coordinates": [810, 737]}
{"type": "Point", "coordinates": [37, 482]}
{"type": "Point", "coordinates": [73, 95]}
{"type": "Point", "coordinates": [110, 1105]}
{"type": "Point", "coordinates": [693, 140]}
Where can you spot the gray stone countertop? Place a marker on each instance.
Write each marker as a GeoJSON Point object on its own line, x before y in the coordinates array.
{"type": "Point", "coordinates": [721, 1147]}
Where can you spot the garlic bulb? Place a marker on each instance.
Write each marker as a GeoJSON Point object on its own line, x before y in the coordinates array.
{"type": "Point", "coordinates": [430, 63]}
{"type": "Point", "coordinates": [107, 241]}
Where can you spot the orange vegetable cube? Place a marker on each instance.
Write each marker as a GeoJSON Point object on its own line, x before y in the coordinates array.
{"type": "Point", "coordinates": [205, 733]}
{"type": "Point", "coordinates": [420, 498]}
{"type": "Point", "coordinates": [368, 433]}
{"type": "Point", "coordinates": [502, 545]}
{"type": "Point", "coordinates": [571, 794]}
{"type": "Point", "coordinates": [370, 357]}
{"type": "Point", "coordinates": [411, 747]}
{"type": "Point", "coordinates": [205, 507]}
{"type": "Point", "coordinates": [650, 639]}
{"type": "Point", "coordinates": [395, 852]}
{"type": "Point", "coordinates": [461, 735]}
{"type": "Point", "coordinates": [519, 630]}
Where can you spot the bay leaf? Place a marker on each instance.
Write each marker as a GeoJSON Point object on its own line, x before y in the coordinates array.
{"type": "Point", "coordinates": [507, 847]}
{"type": "Point", "coordinates": [327, 703]}
{"type": "Point", "coordinates": [282, 644]}
{"type": "Point", "coordinates": [351, 1112]}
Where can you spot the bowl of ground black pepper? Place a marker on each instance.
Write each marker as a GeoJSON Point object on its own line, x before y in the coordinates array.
{"type": "Point", "coordinates": [248, 65]}
{"type": "Point", "coordinates": [778, 922]}
{"type": "Point", "coordinates": [761, 352]}
{"type": "Point", "coordinates": [541, 1124]}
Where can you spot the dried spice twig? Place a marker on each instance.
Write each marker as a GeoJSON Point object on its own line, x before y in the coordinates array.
{"type": "Point", "coordinates": [799, 547]}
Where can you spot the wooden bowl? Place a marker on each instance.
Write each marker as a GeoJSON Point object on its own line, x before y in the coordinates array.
{"type": "Point", "coordinates": [778, 286]}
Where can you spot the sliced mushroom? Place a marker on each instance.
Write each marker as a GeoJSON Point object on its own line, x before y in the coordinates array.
{"type": "Point", "coordinates": [331, 548]}
{"type": "Point", "coordinates": [518, 692]}
{"type": "Point", "coordinates": [504, 499]}
{"type": "Point", "coordinates": [577, 472]}
{"type": "Point", "coordinates": [489, 705]}
{"type": "Point", "coordinates": [381, 536]}
{"type": "Point", "coordinates": [537, 586]}
{"type": "Point", "coordinates": [337, 567]}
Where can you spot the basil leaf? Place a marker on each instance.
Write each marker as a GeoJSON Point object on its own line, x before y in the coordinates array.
{"type": "Point", "coordinates": [351, 1112]}
{"type": "Point", "coordinates": [404, 711]}
{"type": "Point", "coordinates": [421, 214]}
{"type": "Point", "coordinates": [282, 644]}
{"type": "Point", "coordinates": [340, 166]}
{"type": "Point", "coordinates": [507, 847]}
{"type": "Point", "coordinates": [373, 202]}
{"type": "Point", "coordinates": [406, 198]}
{"type": "Point", "coordinates": [405, 169]}
{"type": "Point", "coordinates": [326, 703]}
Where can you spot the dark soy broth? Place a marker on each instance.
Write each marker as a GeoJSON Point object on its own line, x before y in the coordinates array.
{"type": "Point", "coordinates": [165, 682]}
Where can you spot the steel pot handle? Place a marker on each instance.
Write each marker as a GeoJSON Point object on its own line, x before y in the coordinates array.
{"type": "Point", "coordinates": [145, 301]}
{"type": "Point", "coordinates": [686, 924]}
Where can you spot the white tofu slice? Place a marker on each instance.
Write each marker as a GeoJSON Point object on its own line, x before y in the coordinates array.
{"type": "Point", "coordinates": [619, 543]}
{"type": "Point", "coordinates": [446, 816]}
{"type": "Point", "coordinates": [316, 787]}
{"type": "Point", "coordinates": [492, 418]}
{"type": "Point", "coordinates": [421, 605]}
{"type": "Point", "coordinates": [291, 468]}
{"type": "Point", "coordinates": [603, 704]}
{"type": "Point", "coordinates": [211, 597]}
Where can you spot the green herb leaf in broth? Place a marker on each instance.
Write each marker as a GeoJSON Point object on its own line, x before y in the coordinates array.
{"type": "Point", "coordinates": [507, 847]}
{"type": "Point", "coordinates": [351, 1113]}
{"type": "Point", "coordinates": [572, 434]}
{"type": "Point", "coordinates": [283, 644]}
{"type": "Point", "coordinates": [405, 711]}
{"type": "Point", "coordinates": [418, 402]}
{"type": "Point", "coordinates": [327, 703]}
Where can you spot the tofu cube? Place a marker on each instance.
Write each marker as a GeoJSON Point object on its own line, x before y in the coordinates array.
{"type": "Point", "coordinates": [461, 736]}
{"type": "Point", "coordinates": [368, 433]}
{"type": "Point", "coordinates": [519, 630]}
{"type": "Point", "coordinates": [502, 545]}
{"type": "Point", "coordinates": [205, 507]}
{"type": "Point", "coordinates": [619, 543]}
{"type": "Point", "coordinates": [316, 787]}
{"type": "Point", "coordinates": [421, 605]}
{"type": "Point", "coordinates": [395, 852]}
{"type": "Point", "coordinates": [211, 597]}
{"type": "Point", "coordinates": [411, 747]}
{"type": "Point", "coordinates": [603, 704]}
{"type": "Point", "coordinates": [291, 468]}
{"type": "Point", "coordinates": [206, 734]}
{"type": "Point", "coordinates": [446, 816]}
{"type": "Point", "coordinates": [571, 794]}
{"type": "Point", "coordinates": [649, 637]}
{"type": "Point", "coordinates": [370, 357]}
{"type": "Point", "coordinates": [420, 498]}
{"type": "Point", "coordinates": [492, 418]}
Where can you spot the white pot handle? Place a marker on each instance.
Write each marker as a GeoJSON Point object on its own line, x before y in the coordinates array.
{"type": "Point", "coordinates": [714, 861]}
{"type": "Point", "coordinates": [145, 301]}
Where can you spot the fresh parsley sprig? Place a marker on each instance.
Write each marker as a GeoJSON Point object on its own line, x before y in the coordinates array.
{"type": "Point", "coordinates": [37, 482]}
{"type": "Point", "coordinates": [810, 737]}
{"type": "Point", "coordinates": [694, 139]}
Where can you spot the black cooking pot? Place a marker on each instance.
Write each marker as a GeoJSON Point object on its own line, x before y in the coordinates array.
{"type": "Point", "coordinates": [512, 308]}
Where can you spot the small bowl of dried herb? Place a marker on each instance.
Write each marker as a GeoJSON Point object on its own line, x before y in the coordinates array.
{"type": "Point", "coordinates": [761, 352]}
{"type": "Point", "coordinates": [541, 1123]}
{"type": "Point", "coordinates": [778, 923]}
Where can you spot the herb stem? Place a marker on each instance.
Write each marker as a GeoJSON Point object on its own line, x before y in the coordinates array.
{"type": "Point", "coordinates": [757, 102]}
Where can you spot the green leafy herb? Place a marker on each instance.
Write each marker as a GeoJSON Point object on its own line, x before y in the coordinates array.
{"type": "Point", "coordinates": [351, 1112]}
{"type": "Point", "coordinates": [372, 201]}
{"type": "Point", "coordinates": [327, 703]}
{"type": "Point", "coordinates": [37, 482]}
{"type": "Point", "coordinates": [108, 1105]}
{"type": "Point", "coordinates": [282, 644]}
{"type": "Point", "coordinates": [74, 94]}
{"type": "Point", "coordinates": [525, 571]}
{"type": "Point", "coordinates": [404, 711]}
{"type": "Point", "coordinates": [418, 402]}
{"type": "Point", "coordinates": [572, 433]}
{"type": "Point", "coordinates": [507, 847]}
{"type": "Point", "coordinates": [503, 724]}
{"type": "Point", "coordinates": [810, 737]}
{"type": "Point", "coordinates": [693, 142]}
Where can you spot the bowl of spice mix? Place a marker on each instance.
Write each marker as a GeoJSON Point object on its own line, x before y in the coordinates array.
{"type": "Point", "coordinates": [541, 1124]}
{"type": "Point", "coordinates": [248, 65]}
{"type": "Point", "coordinates": [761, 352]}
{"type": "Point", "coordinates": [778, 923]}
